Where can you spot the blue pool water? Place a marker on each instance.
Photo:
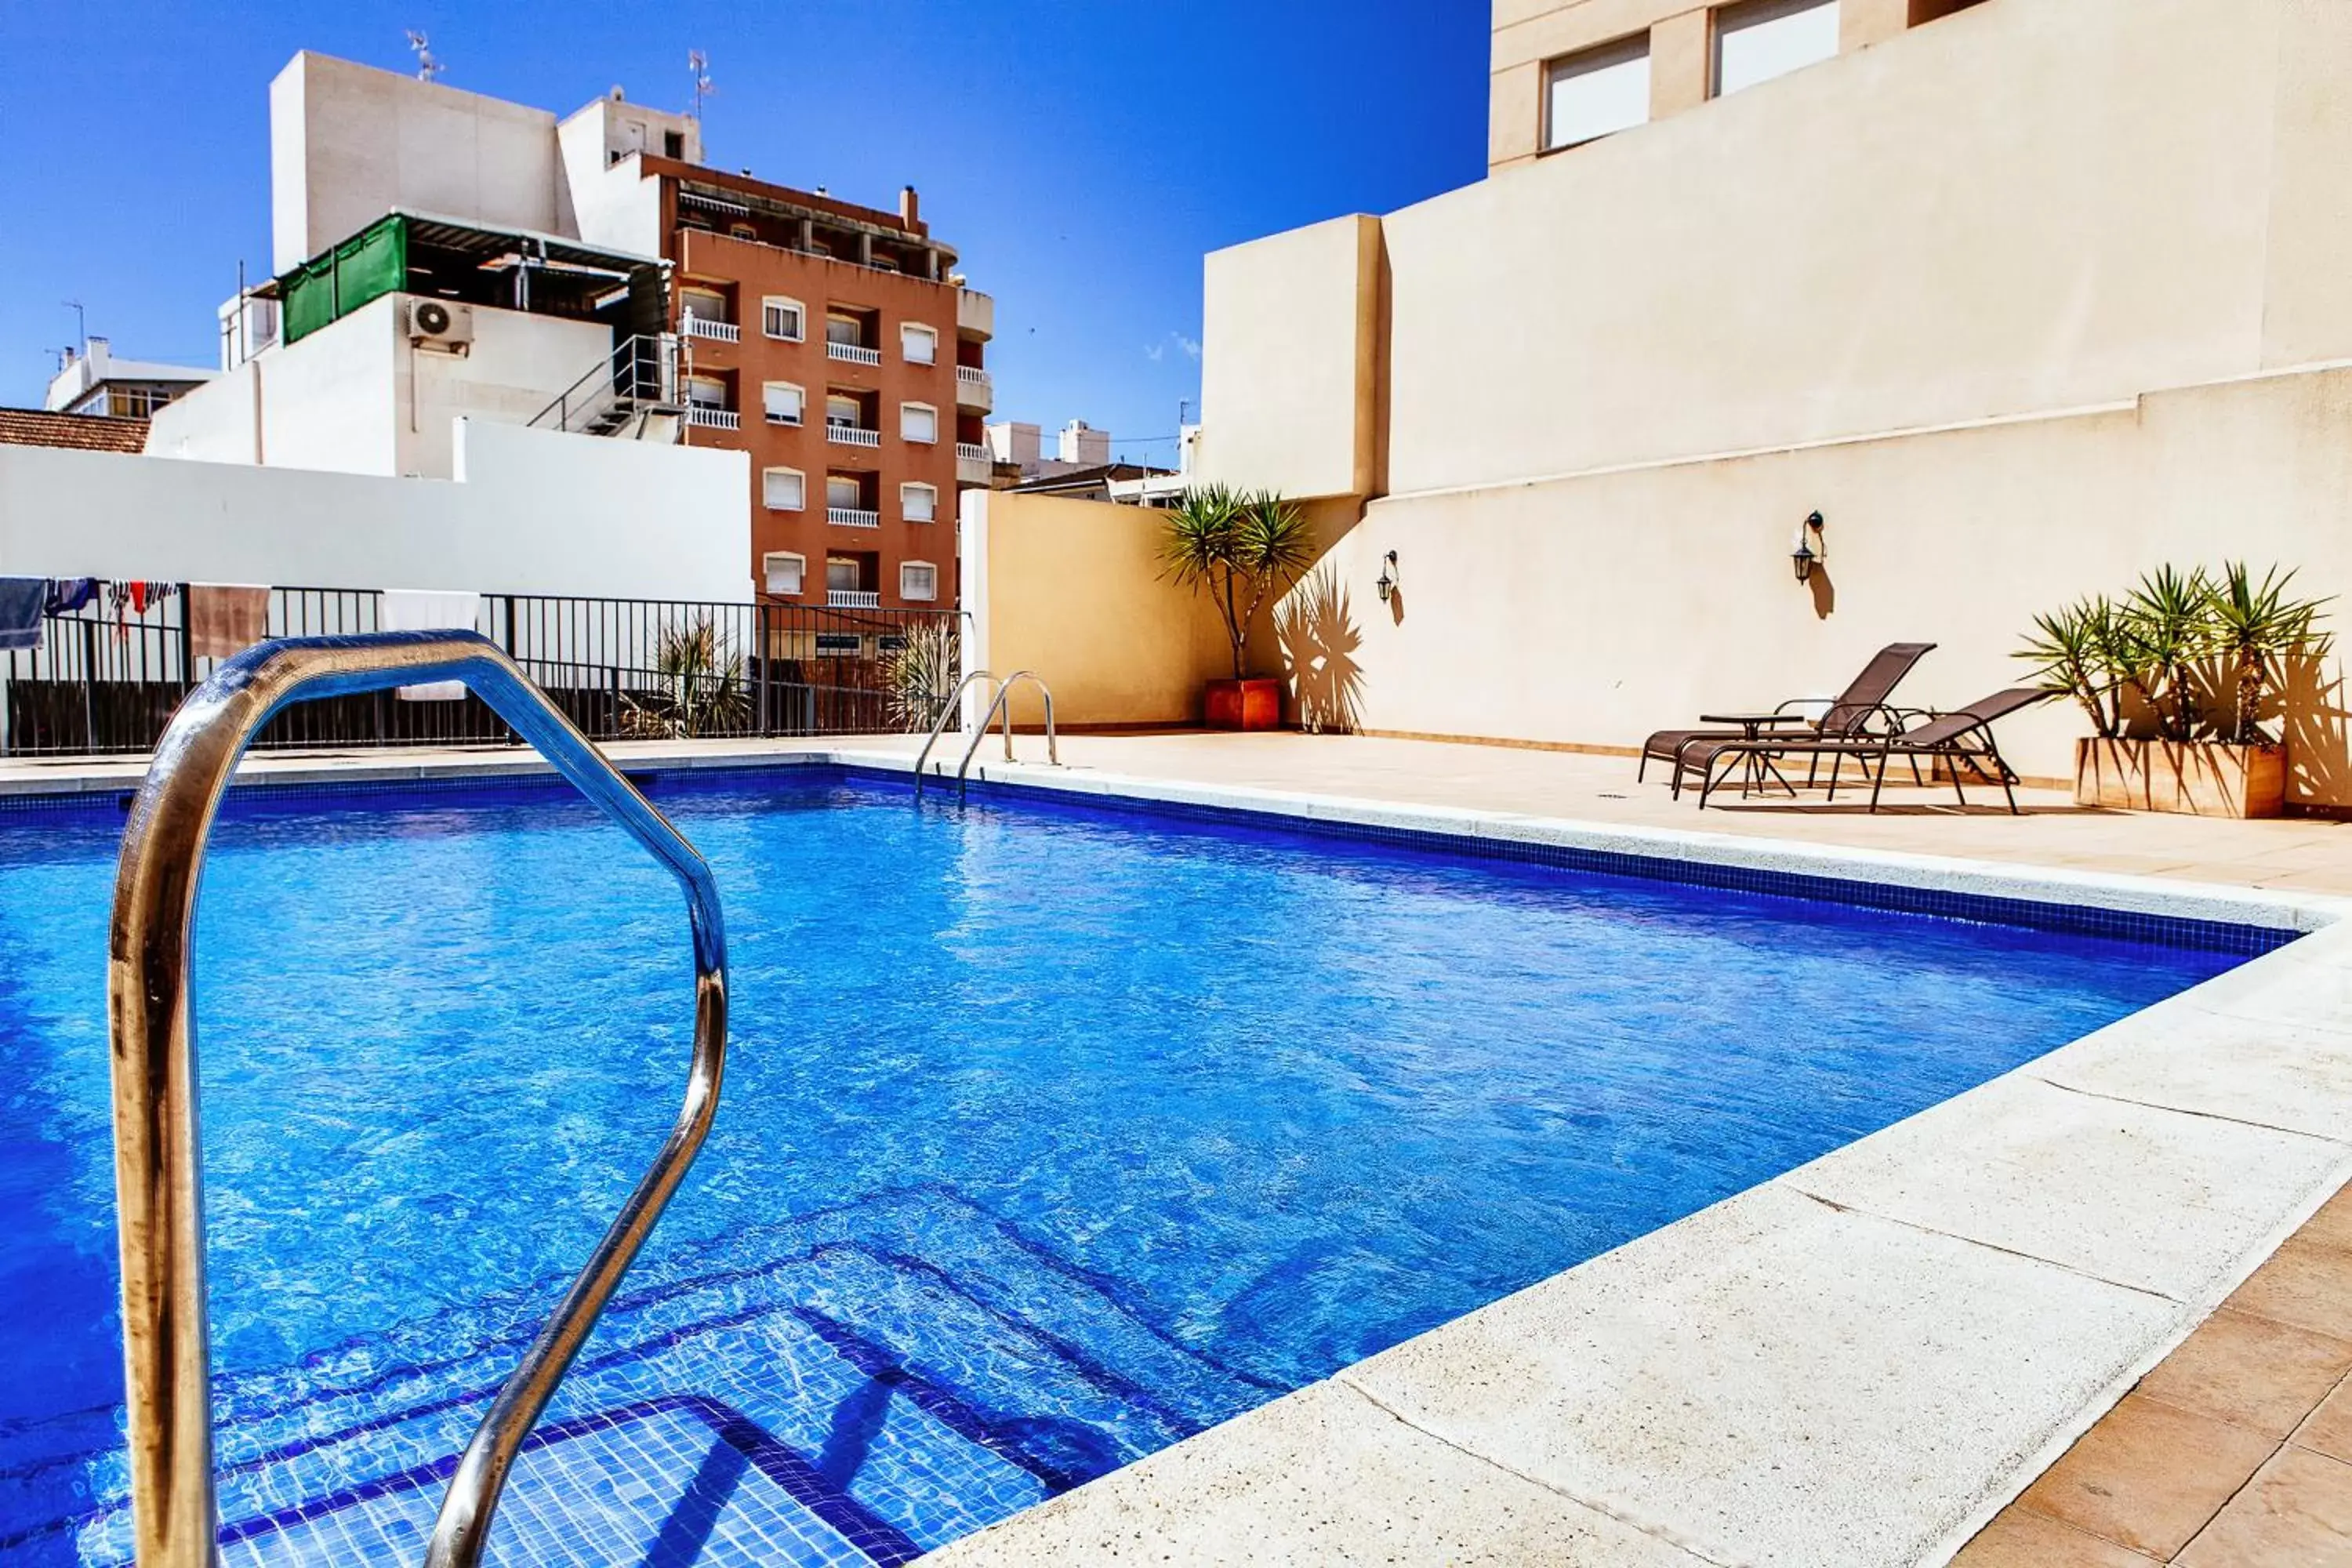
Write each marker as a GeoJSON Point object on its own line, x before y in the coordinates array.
{"type": "Point", "coordinates": [1050, 1135]}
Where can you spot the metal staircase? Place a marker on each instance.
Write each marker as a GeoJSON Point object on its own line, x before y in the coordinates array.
{"type": "Point", "coordinates": [634, 394]}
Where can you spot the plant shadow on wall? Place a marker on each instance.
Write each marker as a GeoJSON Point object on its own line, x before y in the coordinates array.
{"type": "Point", "coordinates": [1318, 638]}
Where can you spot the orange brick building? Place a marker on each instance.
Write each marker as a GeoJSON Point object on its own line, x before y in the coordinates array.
{"type": "Point", "coordinates": [834, 344]}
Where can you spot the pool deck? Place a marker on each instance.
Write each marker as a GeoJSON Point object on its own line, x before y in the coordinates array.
{"type": "Point", "coordinates": [1865, 1361]}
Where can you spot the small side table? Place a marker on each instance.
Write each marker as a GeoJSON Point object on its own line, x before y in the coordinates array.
{"type": "Point", "coordinates": [1757, 767]}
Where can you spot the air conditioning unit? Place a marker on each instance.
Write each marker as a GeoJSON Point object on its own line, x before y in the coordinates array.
{"type": "Point", "coordinates": [441, 324]}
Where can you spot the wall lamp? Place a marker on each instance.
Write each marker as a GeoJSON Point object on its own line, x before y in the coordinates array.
{"type": "Point", "coordinates": [1812, 548]}
{"type": "Point", "coordinates": [1386, 584]}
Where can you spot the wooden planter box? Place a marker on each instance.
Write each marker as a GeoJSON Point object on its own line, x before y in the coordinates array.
{"type": "Point", "coordinates": [1245, 705]}
{"type": "Point", "coordinates": [2196, 778]}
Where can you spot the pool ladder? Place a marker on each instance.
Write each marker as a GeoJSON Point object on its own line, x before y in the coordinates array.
{"type": "Point", "coordinates": [157, 1151]}
{"type": "Point", "coordinates": [998, 704]}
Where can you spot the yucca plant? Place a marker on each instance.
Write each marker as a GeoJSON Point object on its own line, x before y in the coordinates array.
{"type": "Point", "coordinates": [699, 687]}
{"type": "Point", "coordinates": [2165, 629]}
{"type": "Point", "coordinates": [2076, 652]}
{"type": "Point", "coordinates": [2255, 628]}
{"type": "Point", "coordinates": [1238, 547]}
{"type": "Point", "coordinates": [919, 676]}
{"type": "Point", "coordinates": [2154, 644]}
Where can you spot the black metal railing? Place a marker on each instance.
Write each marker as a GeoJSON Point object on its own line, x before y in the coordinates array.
{"type": "Point", "coordinates": [109, 674]}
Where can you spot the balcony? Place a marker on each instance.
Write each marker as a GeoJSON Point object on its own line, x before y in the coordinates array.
{"type": "Point", "coordinates": [973, 465]}
{"type": "Point", "coordinates": [856, 353]}
{"type": "Point", "coordinates": [717, 332]}
{"type": "Point", "coordinates": [851, 517]}
{"type": "Point", "coordinates": [974, 390]}
{"type": "Point", "coordinates": [853, 435]}
{"type": "Point", "coordinates": [853, 599]}
{"type": "Point", "coordinates": [711, 418]}
{"type": "Point", "coordinates": [975, 314]}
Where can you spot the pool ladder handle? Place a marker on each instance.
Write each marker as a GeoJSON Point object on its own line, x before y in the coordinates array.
{"type": "Point", "coordinates": [999, 704]}
{"type": "Point", "coordinates": [159, 1174]}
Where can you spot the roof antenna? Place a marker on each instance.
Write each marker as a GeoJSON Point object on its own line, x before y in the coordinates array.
{"type": "Point", "coordinates": [81, 324]}
{"type": "Point", "coordinates": [427, 67]}
{"type": "Point", "coordinates": [698, 66]}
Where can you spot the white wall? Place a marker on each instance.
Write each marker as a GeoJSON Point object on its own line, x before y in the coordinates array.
{"type": "Point", "coordinates": [348, 142]}
{"type": "Point", "coordinates": [532, 511]}
{"type": "Point", "coordinates": [357, 397]}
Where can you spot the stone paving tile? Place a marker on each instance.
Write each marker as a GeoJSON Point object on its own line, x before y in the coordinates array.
{"type": "Point", "coordinates": [2022, 1540]}
{"type": "Point", "coordinates": [2328, 1430]}
{"type": "Point", "coordinates": [2149, 1476]}
{"type": "Point", "coordinates": [2306, 1283]}
{"type": "Point", "coordinates": [2250, 1372]}
{"type": "Point", "coordinates": [2297, 1514]}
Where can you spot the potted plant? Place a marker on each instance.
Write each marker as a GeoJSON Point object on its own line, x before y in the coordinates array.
{"type": "Point", "coordinates": [2176, 679]}
{"type": "Point", "coordinates": [1241, 548]}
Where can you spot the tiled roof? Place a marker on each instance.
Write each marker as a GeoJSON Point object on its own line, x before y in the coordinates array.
{"type": "Point", "coordinates": [83, 432]}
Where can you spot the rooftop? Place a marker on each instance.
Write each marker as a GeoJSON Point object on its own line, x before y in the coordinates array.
{"type": "Point", "coordinates": [79, 432]}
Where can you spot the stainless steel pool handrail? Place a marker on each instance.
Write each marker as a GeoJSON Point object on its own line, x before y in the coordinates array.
{"type": "Point", "coordinates": [1003, 704]}
{"type": "Point", "coordinates": [159, 1175]}
{"type": "Point", "coordinates": [954, 707]}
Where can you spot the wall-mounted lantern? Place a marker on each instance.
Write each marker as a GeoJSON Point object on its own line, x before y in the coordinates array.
{"type": "Point", "coordinates": [1812, 548]}
{"type": "Point", "coordinates": [1386, 584]}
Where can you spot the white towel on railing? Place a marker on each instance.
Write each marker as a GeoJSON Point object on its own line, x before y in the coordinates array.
{"type": "Point", "coordinates": [428, 610]}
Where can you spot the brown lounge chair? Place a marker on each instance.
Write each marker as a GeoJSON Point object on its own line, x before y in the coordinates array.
{"type": "Point", "coordinates": [1962, 737]}
{"type": "Point", "coordinates": [1849, 714]}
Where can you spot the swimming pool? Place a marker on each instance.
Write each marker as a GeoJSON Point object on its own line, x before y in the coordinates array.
{"type": "Point", "coordinates": [1051, 1135]}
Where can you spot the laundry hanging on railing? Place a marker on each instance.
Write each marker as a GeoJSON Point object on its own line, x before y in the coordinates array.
{"type": "Point", "coordinates": [67, 594]}
{"type": "Point", "coordinates": [22, 600]}
{"type": "Point", "coordinates": [225, 618]}
{"type": "Point", "coordinates": [423, 610]}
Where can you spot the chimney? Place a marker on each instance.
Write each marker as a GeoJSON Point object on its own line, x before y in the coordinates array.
{"type": "Point", "coordinates": [907, 218]}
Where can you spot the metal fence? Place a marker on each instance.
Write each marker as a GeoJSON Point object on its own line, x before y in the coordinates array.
{"type": "Point", "coordinates": [109, 674]}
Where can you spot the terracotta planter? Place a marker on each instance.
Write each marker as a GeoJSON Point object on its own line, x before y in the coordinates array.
{"type": "Point", "coordinates": [2196, 778]}
{"type": "Point", "coordinates": [1245, 705]}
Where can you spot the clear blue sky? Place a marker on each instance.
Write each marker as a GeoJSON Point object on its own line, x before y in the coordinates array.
{"type": "Point", "coordinates": [1081, 156]}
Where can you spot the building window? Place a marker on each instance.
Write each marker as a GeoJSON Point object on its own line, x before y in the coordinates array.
{"type": "Point", "coordinates": [783, 319]}
{"type": "Point", "coordinates": [842, 573]}
{"type": "Point", "coordinates": [784, 490]}
{"type": "Point", "coordinates": [847, 331]}
{"type": "Point", "coordinates": [706, 391]}
{"type": "Point", "coordinates": [919, 422]}
{"type": "Point", "coordinates": [785, 571]}
{"type": "Point", "coordinates": [844, 491]}
{"type": "Point", "coordinates": [920, 344]}
{"type": "Point", "coordinates": [918, 580]}
{"type": "Point", "coordinates": [918, 503]}
{"type": "Point", "coordinates": [783, 402]}
{"type": "Point", "coordinates": [1596, 92]}
{"type": "Point", "coordinates": [842, 411]}
{"type": "Point", "coordinates": [674, 145]}
{"type": "Point", "coordinates": [704, 304]}
{"type": "Point", "coordinates": [1759, 39]}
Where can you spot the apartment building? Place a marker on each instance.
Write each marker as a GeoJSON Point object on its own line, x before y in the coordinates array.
{"type": "Point", "coordinates": [94, 380]}
{"type": "Point", "coordinates": [834, 344]}
{"type": "Point", "coordinates": [1566, 72]}
{"type": "Point", "coordinates": [442, 255]}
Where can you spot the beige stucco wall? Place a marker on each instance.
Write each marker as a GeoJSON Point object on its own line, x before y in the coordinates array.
{"type": "Point", "coordinates": [1072, 590]}
{"type": "Point", "coordinates": [1529, 34]}
{"type": "Point", "coordinates": [1287, 367]}
{"type": "Point", "coordinates": [1593, 610]}
{"type": "Point", "coordinates": [348, 142]}
{"type": "Point", "coordinates": [2031, 205]}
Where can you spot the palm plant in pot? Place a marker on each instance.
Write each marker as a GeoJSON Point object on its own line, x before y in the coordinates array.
{"type": "Point", "coordinates": [2177, 678]}
{"type": "Point", "coordinates": [1242, 549]}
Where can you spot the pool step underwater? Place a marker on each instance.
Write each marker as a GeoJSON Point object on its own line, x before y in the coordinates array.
{"type": "Point", "coordinates": [856, 1387]}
